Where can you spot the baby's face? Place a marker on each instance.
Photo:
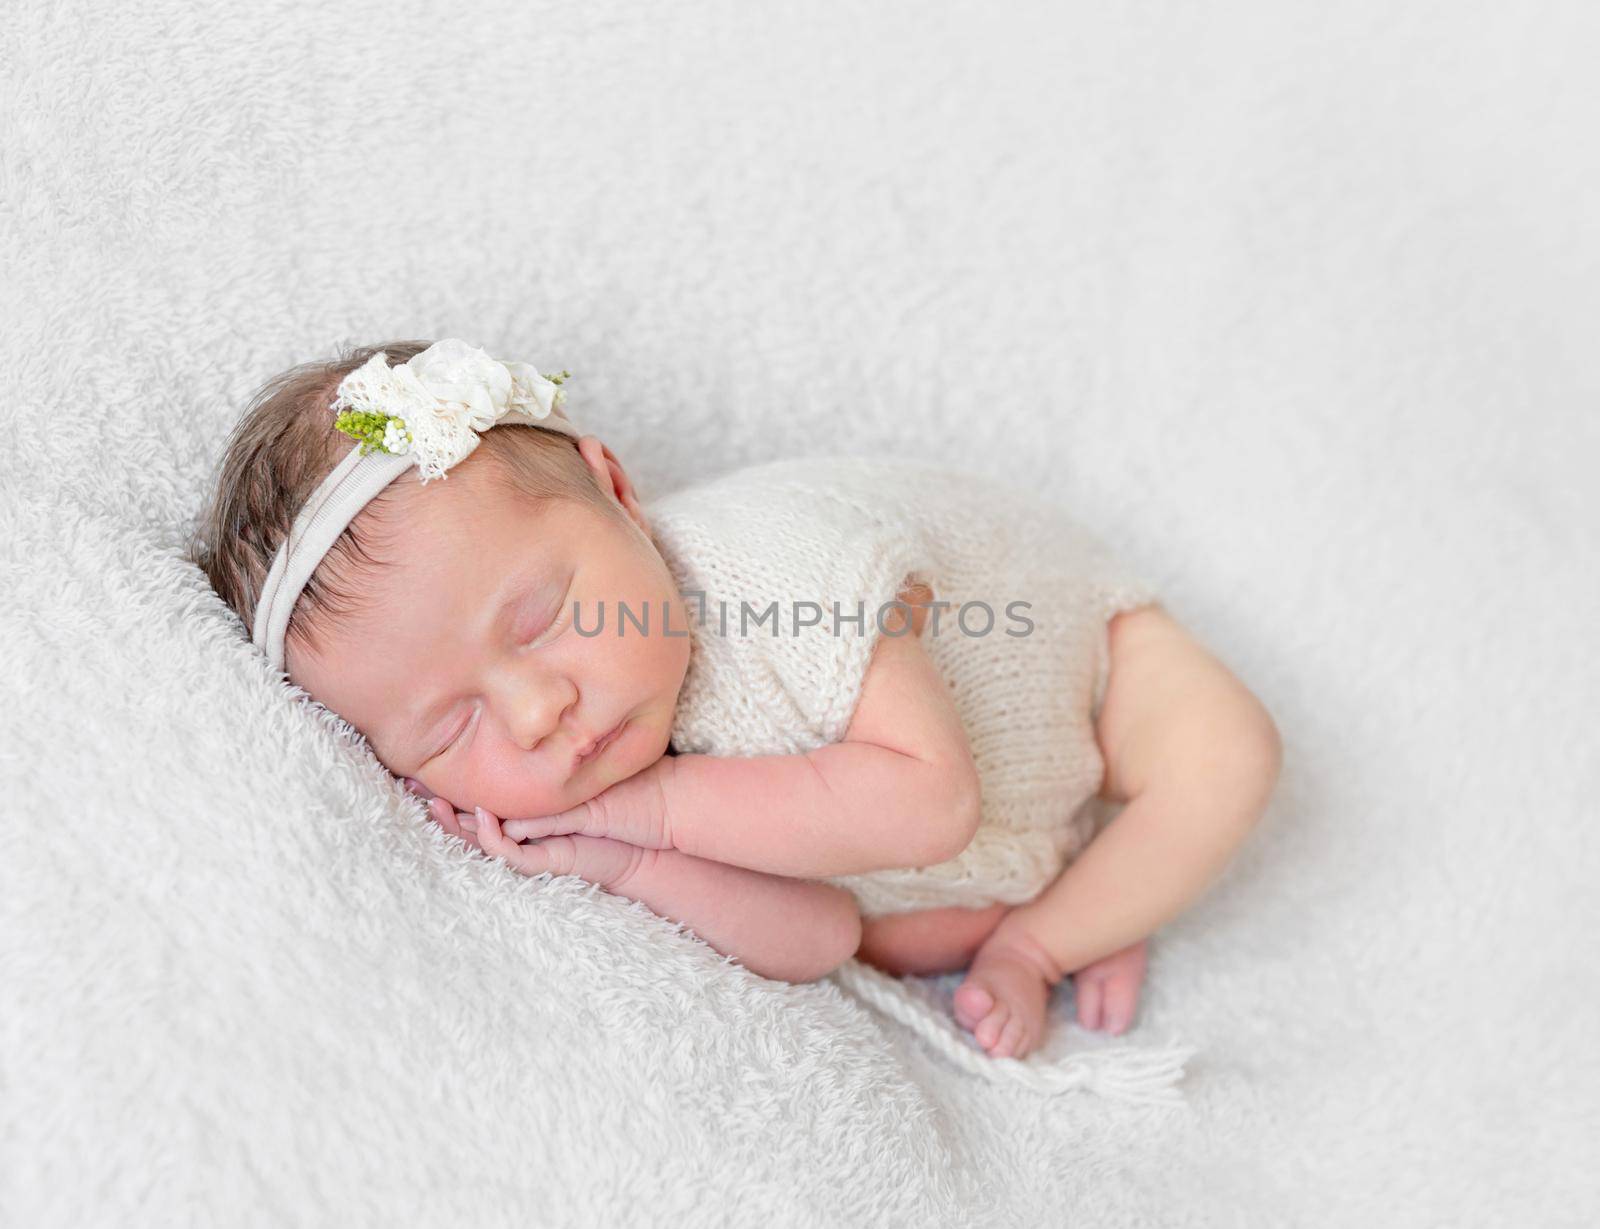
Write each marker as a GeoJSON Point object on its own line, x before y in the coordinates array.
{"type": "Point", "coordinates": [464, 668]}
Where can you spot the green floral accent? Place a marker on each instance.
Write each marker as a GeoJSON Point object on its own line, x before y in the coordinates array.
{"type": "Point", "coordinates": [558, 378]}
{"type": "Point", "coordinates": [368, 427]}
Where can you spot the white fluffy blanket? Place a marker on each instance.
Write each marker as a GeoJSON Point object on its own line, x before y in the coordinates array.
{"type": "Point", "coordinates": [1294, 303]}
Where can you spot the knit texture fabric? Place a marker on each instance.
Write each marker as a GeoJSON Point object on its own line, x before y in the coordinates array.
{"type": "Point", "coordinates": [784, 568]}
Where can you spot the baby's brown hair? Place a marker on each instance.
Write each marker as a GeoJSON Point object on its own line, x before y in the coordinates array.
{"type": "Point", "coordinates": [284, 444]}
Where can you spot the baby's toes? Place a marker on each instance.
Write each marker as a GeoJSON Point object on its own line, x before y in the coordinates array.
{"type": "Point", "coordinates": [1014, 1040]}
{"type": "Point", "coordinates": [1090, 993]}
{"type": "Point", "coordinates": [987, 1034]}
{"type": "Point", "coordinates": [972, 1003]}
{"type": "Point", "coordinates": [1121, 1000]}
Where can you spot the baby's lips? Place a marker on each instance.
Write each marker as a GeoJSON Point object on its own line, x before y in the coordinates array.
{"type": "Point", "coordinates": [418, 788]}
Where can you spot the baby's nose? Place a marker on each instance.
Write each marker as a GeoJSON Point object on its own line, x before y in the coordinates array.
{"type": "Point", "coordinates": [535, 707]}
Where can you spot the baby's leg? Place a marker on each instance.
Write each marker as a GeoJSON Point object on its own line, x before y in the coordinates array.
{"type": "Point", "coordinates": [1194, 756]}
{"type": "Point", "coordinates": [928, 941]}
{"type": "Point", "coordinates": [1005, 996]}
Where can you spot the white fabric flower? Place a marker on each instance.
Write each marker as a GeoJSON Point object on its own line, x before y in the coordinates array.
{"type": "Point", "coordinates": [464, 379]}
{"type": "Point", "coordinates": [443, 398]}
{"type": "Point", "coordinates": [532, 392]}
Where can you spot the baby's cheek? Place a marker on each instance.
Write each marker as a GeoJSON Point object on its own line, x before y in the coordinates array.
{"type": "Point", "coordinates": [508, 785]}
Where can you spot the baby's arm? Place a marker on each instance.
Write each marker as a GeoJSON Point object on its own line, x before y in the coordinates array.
{"type": "Point", "coordinates": [785, 929]}
{"type": "Point", "coordinates": [900, 790]}
{"type": "Point", "coordinates": [1195, 756]}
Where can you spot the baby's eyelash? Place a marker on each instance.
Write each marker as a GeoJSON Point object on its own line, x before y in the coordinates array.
{"type": "Point", "coordinates": [456, 737]}
{"type": "Point", "coordinates": [556, 624]}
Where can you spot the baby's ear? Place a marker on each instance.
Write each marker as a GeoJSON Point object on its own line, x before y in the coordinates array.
{"type": "Point", "coordinates": [609, 472]}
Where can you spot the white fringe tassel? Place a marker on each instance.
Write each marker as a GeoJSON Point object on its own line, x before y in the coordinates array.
{"type": "Point", "coordinates": [1142, 1076]}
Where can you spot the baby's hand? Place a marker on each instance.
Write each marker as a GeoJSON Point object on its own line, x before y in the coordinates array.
{"type": "Point", "coordinates": [633, 811]}
{"type": "Point", "coordinates": [595, 859]}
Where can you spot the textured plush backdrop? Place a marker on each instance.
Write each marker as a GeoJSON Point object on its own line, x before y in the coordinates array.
{"type": "Point", "coordinates": [1295, 303]}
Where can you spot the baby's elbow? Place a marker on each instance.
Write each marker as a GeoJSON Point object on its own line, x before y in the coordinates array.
{"type": "Point", "coordinates": [952, 817]}
{"type": "Point", "coordinates": [835, 937]}
{"type": "Point", "coordinates": [844, 934]}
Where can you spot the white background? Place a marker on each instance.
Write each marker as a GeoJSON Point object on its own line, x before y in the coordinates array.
{"type": "Point", "coordinates": [1295, 303]}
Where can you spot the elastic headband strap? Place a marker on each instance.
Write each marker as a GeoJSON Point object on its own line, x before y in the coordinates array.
{"type": "Point", "coordinates": [348, 488]}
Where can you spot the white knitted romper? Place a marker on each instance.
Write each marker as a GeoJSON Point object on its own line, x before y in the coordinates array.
{"type": "Point", "coordinates": [828, 538]}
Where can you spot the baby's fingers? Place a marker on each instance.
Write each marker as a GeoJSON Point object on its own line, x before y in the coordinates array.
{"type": "Point", "coordinates": [564, 823]}
{"type": "Point", "coordinates": [490, 838]}
{"type": "Point", "coordinates": [554, 855]}
{"type": "Point", "coordinates": [590, 858]}
{"type": "Point", "coordinates": [445, 816]}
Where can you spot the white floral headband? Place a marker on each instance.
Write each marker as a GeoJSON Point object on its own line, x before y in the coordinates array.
{"type": "Point", "coordinates": [428, 412]}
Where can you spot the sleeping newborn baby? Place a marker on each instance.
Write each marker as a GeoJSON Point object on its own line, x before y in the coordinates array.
{"type": "Point", "coordinates": [812, 709]}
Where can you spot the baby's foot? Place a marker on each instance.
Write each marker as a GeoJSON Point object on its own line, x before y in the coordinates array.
{"type": "Point", "coordinates": [1108, 990]}
{"type": "Point", "coordinates": [1003, 999]}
